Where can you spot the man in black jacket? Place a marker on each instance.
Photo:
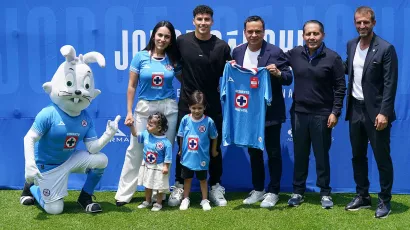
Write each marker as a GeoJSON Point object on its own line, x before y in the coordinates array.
{"type": "Point", "coordinates": [319, 90]}
{"type": "Point", "coordinates": [373, 71]}
{"type": "Point", "coordinates": [258, 53]}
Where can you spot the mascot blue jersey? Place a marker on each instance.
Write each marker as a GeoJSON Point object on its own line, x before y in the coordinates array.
{"type": "Point", "coordinates": [245, 94]}
{"type": "Point", "coordinates": [195, 145]}
{"type": "Point", "coordinates": [155, 76]}
{"type": "Point", "coordinates": [157, 149]}
{"type": "Point", "coordinates": [60, 134]}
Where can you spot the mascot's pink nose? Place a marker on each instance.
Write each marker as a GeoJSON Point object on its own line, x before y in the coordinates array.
{"type": "Point", "coordinates": [77, 92]}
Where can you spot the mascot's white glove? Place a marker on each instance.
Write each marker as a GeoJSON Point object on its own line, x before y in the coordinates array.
{"type": "Point", "coordinates": [31, 170]}
{"type": "Point", "coordinates": [97, 145]}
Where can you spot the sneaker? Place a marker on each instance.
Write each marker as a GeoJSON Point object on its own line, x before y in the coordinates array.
{"type": "Point", "coordinates": [327, 202]}
{"type": "Point", "coordinates": [184, 204]}
{"type": "Point", "coordinates": [177, 191]}
{"type": "Point", "coordinates": [156, 207]}
{"type": "Point", "coordinates": [26, 196]}
{"type": "Point", "coordinates": [359, 202]}
{"type": "Point", "coordinates": [144, 204]}
{"type": "Point", "coordinates": [86, 202]}
{"type": "Point", "coordinates": [254, 196]}
{"type": "Point", "coordinates": [216, 195]}
{"type": "Point", "coordinates": [295, 200]}
{"type": "Point", "coordinates": [383, 209]}
{"type": "Point", "coordinates": [270, 200]}
{"type": "Point", "coordinates": [205, 205]}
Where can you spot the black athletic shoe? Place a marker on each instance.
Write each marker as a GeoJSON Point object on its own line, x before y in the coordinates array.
{"type": "Point", "coordinates": [86, 202]}
{"type": "Point", "coordinates": [359, 202]}
{"type": "Point", "coordinates": [26, 196]}
{"type": "Point", "coordinates": [120, 203]}
{"type": "Point", "coordinates": [383, 209]}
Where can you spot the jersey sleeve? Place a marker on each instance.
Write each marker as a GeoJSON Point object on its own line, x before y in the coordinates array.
{"type": "Point", "coordinates": [181, 127]}
{"type": "Point", "coordinates": [43, 121]}
{"type": "Point", "coordinates": [136, 63]}
{"type": "Point", "coordinates": [91, 134]}
{"type": "Point", "coordinates": [213, 133]}
{"type": "Point", "coordinates": [224, 80]}
{"type": "Point", "coordinates": [168, 152]}
{"type": "Point", "coordinates": [267, 87]}
{"type": "Point", "coordinates": [178, 68]}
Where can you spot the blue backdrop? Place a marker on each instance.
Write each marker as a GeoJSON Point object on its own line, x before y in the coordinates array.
{"type": "Point", "coordinates": [32, 32]}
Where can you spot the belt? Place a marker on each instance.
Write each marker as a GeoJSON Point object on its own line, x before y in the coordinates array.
{"type": "Point", "coordinates": [357, 102]}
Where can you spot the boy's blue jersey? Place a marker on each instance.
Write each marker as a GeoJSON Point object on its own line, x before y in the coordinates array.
{"type": "Point", "coordinates": [196, 136]}
{"type": "Point", "coordinates": [157, 149]}
{"type": "Point", "coordinates": [60, 134]}
{"type": "Point", "coordinates": [245, 94]}
{"type": "Point", "coordinates": [154, 76]}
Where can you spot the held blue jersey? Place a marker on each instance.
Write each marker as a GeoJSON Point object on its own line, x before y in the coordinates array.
{"type": "Point", "coordinates": [155, 76]}
{"type": "Point", "coordinates": [196, 143]}
{"type": "Point", "coordinates": [60, 134]}
{"type": "Point", "coordinates": [157, 149]}
{"type": "Point", "coordinates": [245, 93]}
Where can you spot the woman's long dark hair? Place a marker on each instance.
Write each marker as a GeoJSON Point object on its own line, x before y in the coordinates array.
{"type": "Point", "coordinates": [171, 50]}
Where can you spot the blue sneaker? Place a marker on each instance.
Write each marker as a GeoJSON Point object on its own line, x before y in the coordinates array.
{"type": "Point", "coordinates": [295, 200]}
{"type": "Point", "coordinates": [383, 209]}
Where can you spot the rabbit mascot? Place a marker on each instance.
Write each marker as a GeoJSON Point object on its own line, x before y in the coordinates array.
{"type": "Point", "coordinates": [50, 146]}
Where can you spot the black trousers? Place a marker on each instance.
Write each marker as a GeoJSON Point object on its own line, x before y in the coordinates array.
{"type": "Point", "coordinates": [311, 130]}
{"type": "Point", "coordinates": [273, 150]}
{"type": "Point", "coordinates": [215, 163]}
{"type": "Point", "coordinates": [362, 129]}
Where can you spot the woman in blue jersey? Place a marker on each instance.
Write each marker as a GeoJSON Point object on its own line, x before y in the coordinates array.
{"type": "Point", "coordinates": [152, 70]}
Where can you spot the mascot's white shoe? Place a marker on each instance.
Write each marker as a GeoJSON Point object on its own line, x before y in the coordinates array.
{"type": "Point", "coordinates": [86, 202]}
{"type": "Point", "coordinates": [26, 196]}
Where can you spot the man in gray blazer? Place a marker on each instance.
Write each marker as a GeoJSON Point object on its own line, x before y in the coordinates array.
{"type": "Point", "coordinates": [373, 71]}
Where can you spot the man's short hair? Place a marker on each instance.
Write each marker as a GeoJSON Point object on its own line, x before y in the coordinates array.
{"type": "Point", "coordinates": [322, 28]}
{"type": "Point", "coordinates": [363, 10]}
{"type": "Point", "coordinates": [254, 18]}
{"type": "Point", "coordinates": [203, 9]}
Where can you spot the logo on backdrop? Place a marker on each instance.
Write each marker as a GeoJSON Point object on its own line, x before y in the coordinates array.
{"type": "Point", "coordinates": [120, 137]}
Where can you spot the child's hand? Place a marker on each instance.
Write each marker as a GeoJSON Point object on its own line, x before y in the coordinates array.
{"type": "Point", "coordinates": [214, 153]}
{"type": "Point", "coordinates": [165, 170]}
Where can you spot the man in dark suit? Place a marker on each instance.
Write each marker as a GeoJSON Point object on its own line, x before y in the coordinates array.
{"type": "Point", "coordinates": [258, 53]}
{"type": "Point", "coordinates": [372, 68]}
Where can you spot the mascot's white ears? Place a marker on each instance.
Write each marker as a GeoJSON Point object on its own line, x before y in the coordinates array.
{"type": "Point", "coordinates": [69, 53]}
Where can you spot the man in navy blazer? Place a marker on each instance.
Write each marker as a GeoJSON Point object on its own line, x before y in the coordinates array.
{"type": "Point", "coordinates": [373, 71]}
{"type": "Point", "coordinates": [258, 53]}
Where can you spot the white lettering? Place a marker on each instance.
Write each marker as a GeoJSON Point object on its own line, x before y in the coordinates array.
{"type": "Point", "coordinates": [117, 54]}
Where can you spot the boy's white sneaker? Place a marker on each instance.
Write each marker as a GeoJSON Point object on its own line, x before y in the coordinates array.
{"type": "Point", "coordinates": [185, 204]}
{"type": "Point", "coordinates": [205, 205]}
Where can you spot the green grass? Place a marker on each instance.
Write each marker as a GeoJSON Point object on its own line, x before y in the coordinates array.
{"type": "Point", "coordinates": [309, 215]}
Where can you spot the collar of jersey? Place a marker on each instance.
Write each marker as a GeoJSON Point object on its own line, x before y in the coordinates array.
{"type": "Point", "coordinates": [199, 120]}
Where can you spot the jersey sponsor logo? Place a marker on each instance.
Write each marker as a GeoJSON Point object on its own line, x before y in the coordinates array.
{"type": "Point", "coordinates": [231, 79]}
{"type": "Point", "coordinates": [254, 82]}
{"type": "Point", "coordinates": [159, 145]}
{"type": "Point", "coordinates": [70, 142]}
{"type": "Point", "coordinates": [193, 143]}
{"type": "Point", "coordinates": [260, 139]}
{"type": "Point", "coordinates": [46, 192]}
{"type": "Point", "coordinates": [157, 79]}
{"type": "Point", "coordinates": [169, 67]}
{"type": "Point", "coordinates": [61, 123]}
{"type": "Point", "coordinates": [203, 163]}
{"type": "Point", "coordinates": [151, 157]}
{"type": "Point", "coordinates": [241, 100]}
{"type": "Point", "coordinates": [202, 128]}
{"type": "Point", "coordinates": [145, 67]}
{"type": "Point", "coordinates": [84, 123]}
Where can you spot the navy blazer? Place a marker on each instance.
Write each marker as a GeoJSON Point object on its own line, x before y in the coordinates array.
{"type": "Point", "coordinates": [271, 54]}
{"type": "Point", "coordinates": [379, 79]}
